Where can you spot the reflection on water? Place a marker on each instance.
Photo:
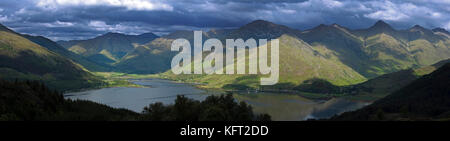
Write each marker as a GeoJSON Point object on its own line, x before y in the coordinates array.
{"type": "Point", "coordinates": [279, 106]}
{"type": "Point", "coordinates": [137, 98]}
{"type": "Point", "coordinates": [294, 107]}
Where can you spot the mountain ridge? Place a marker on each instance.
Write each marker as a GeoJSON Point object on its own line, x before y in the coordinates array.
{"type": "Point", "coordinates": [21, 59]}
{"type": "Point", "coordinates": [110, 47]}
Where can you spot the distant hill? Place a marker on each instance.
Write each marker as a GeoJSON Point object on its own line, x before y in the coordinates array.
{"type": "Point", "coordinates": [424, 99]}
{"type": "Point", "coordinates": [55, 47]}
{"type": "Point", "coordinates": [261, 29]}
{"type": "Point", "coordinates": [108, 48]}
{"type": "Point", "coordinates": [380, 49]}
{"type": "Point", "coordinates": [152, 57]}
{"type": "Point", "coordinates": [68, 44]}
{"type": "Point", "coordinates": [155, 56]}
{"type": "Point", "coordinates": [21, 59]}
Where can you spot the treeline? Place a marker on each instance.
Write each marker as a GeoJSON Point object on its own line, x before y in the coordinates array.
{"type": "Point", "coordinates": [213, 108]}
{"type": "Point", "coordinates": [314, 85]}
{"type": "Point", "coordinates": [33, 101]}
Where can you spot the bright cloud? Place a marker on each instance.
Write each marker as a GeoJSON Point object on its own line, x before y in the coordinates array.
{"type": "Point", "coordinates": [58, 24]}
{"type": "Point", "coordinates": [146, 5]}
{"type": "Point", "coordinates": [387, 10]}
{"type": "Point", "coordinates": [3, 18]}
{"type": "Point", "coordinates": [447, 26]}
{"type": "Point", "coordinates": [120, 28]}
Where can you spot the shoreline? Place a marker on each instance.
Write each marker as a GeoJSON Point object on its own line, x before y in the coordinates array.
{"type": "Point", "coordinates": [130, 77]}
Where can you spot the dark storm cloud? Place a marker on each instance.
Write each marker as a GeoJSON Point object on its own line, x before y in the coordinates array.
{"type": "Point", "coordinates": [78, 19]}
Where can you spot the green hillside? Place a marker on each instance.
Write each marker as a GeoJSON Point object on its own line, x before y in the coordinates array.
{"type": "Point", "coordinates": [374, 88]}
{"type": "Point", "coordinates": [424, 99]}
{"type": "Point", "coordinates": [152, 57]}
{"type": "Point", "coordinates": [380, 49]}
{"type": "Point", "coordinates": [21, 58]}
{"type": "Point", "coordinates": [146, 59]}
{"type": "Point", "coordinates": [298, 62]}
{"type": "Point", "coordinates": [318, 53]}
{"type": "Point", "coordinates": [110, 47]}
{"type": "Point", "coordinates": [68, 44]}
{"type": "Point", "coordinates": [55, 47]}
{"type": "Point", "coordinates": [155, 56]}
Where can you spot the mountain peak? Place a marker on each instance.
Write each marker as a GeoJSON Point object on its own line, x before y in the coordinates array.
{"type": "Point", "coordinates": [260, 24]}
{"type": "Point", "coordinates": [417, 27]}
{"type": "Point", "coordinates": [321, 27]}
{"type": "Point", "coordinates": [112, 33]}
{"type": "Point", "coordinates": [260, 29]}
{"type": "Point", "coordinates": [380, 27]}
{"type": "Point", "coordinates": [381, 24]}
{"type": "Point", "coordinates": [440, 30]}
{"type": "Point", "coordinates": [146, 34]}
{"type": "Point", "coordinates": [335, 25]}
{"type": "Point", "coordinates": [179, 34]}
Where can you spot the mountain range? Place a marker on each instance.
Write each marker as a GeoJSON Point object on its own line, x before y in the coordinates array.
{"type": "Point", "coordinates": [108, 48]}
{"type": "Point", "coordinates": [338, 54]}
{"type": "Point", "coordinates": [333, 53]}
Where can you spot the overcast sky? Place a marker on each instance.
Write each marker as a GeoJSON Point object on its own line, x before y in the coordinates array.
{"type": "Point", "coordinates": [81, 19]}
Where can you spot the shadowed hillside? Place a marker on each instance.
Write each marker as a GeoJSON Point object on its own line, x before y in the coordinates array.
{"type": "Point", "coordinates": [23, 59]}
{"type": "Point", "coordinates": [33, 101]}
{"type": "Point", "coordinates": [424, 99]}
{"type": "Point", "coordinates": [55, 47]}
{"type": "Point", "coordinates": [110, 47]}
